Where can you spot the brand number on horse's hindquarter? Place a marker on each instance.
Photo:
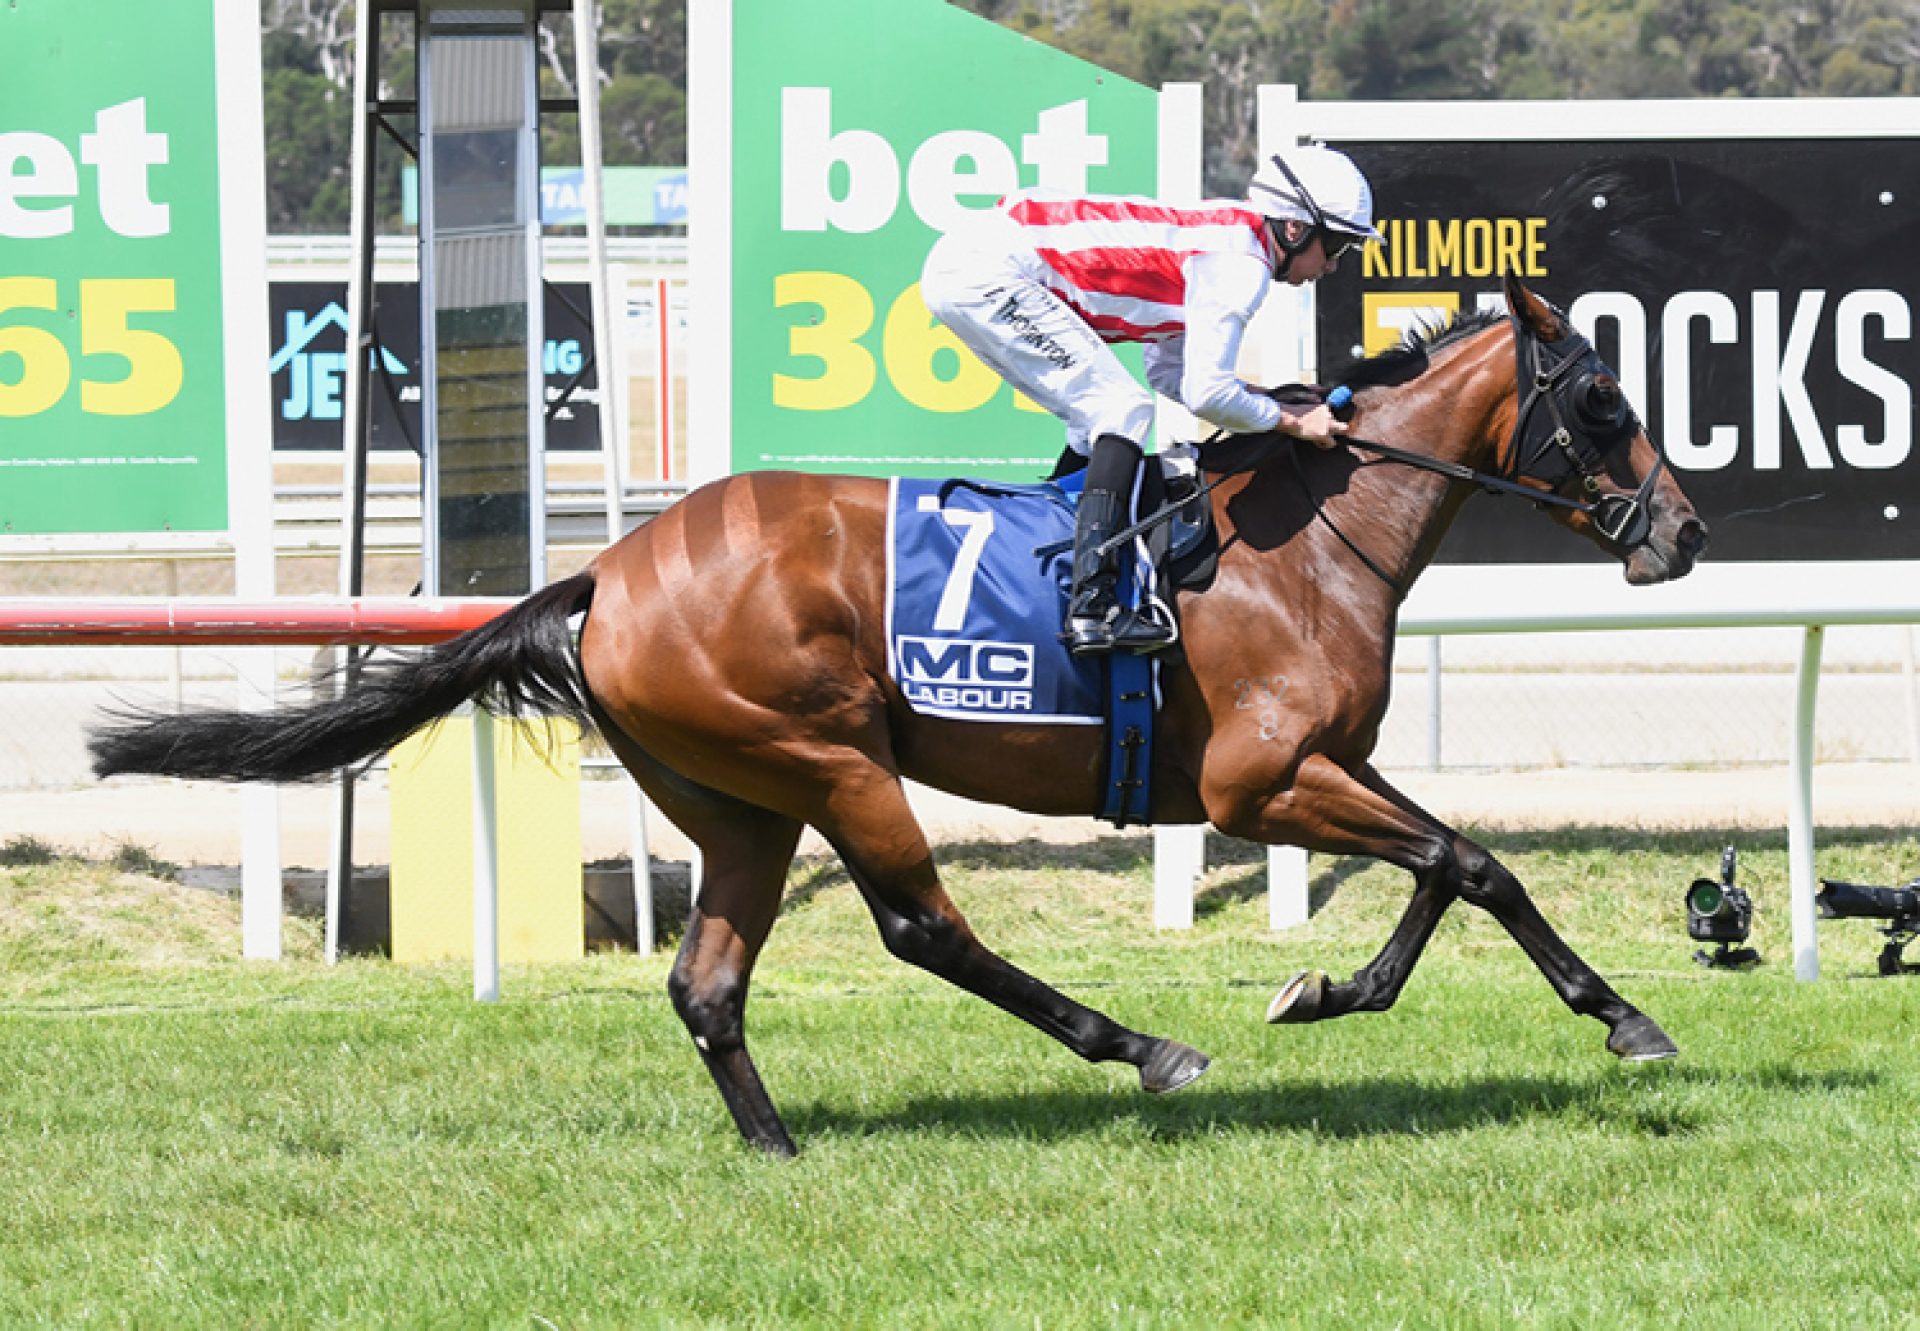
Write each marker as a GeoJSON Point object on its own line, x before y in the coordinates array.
{"type": "Point", "coordinates": [1265, 692]}
{"type": "Point", "coordinates": [977, 524]}
{"type": "Point", "coordinates": [1264, 696]}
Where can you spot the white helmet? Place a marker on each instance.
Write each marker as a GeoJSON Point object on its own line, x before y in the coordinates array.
{"type": "Point", "coordinates": [1319, 186]}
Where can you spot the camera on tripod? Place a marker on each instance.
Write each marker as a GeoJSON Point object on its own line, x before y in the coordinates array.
{"type": "Point", "coordinates": [1723, 914]}
{"type": "Point", "coordinates": [1899, 906]}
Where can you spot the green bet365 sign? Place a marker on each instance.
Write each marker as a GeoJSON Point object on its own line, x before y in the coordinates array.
{"type": "Point", "coordinates": [862, 129]}
{"type": "Point", "coordinates": [112, 383]}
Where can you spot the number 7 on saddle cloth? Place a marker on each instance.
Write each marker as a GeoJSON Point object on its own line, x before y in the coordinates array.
{"type": "Point", "coordinates": [977, 580]}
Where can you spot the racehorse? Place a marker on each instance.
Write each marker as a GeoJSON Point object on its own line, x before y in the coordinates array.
{"type": "Point", "coordinates": [733, 656]}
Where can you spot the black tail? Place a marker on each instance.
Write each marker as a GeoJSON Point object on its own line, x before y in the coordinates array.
{"type": "Point", "coordinates": [521, 664]}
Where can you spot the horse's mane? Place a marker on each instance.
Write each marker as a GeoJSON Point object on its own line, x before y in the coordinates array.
{"type": "Point", "coordinates": [1409, 360]}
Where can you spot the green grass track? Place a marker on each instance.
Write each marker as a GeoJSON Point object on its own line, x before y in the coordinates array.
{"type": "Point", "coordinates": [187, 1140]}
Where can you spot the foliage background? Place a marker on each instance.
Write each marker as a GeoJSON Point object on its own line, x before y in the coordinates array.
{"type": "Point", "coordinates": [1373, 50]}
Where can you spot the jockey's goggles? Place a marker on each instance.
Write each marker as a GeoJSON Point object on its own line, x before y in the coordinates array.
{"type": "Point", "coordinates": [1336, 243]}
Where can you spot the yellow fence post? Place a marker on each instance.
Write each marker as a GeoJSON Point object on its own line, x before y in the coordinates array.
{"type": "Point", "coordinates": [537, 806]}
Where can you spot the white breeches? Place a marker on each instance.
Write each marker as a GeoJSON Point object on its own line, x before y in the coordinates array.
{"type": "Point", "coordinates": [982, 282]}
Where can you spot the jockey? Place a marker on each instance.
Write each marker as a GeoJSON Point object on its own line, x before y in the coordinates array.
{"type": "Point", "coordinates": [1040, 284]}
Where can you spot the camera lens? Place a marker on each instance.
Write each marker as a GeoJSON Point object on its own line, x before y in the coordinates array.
{"type": "Point", "coordinates": [1705, 898]}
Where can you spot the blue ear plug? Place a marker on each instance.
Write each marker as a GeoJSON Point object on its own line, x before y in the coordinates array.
{"type": "Point", "coordinates": [1340, 400]}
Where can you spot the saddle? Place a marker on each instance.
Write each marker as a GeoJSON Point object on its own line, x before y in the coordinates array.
{"type": "Point", "coordinates": [1174, 517]}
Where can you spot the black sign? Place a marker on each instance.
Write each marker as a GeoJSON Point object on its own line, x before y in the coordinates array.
{"type": "Point", "coordinates": [310, 366]}
{"type": "Point", "coordinates": [1756, 297]}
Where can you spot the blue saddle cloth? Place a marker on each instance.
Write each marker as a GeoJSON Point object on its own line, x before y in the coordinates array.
{"type": "Point", "coordinates": [977, 577]}
{"type": "Point", "coordinates": [977, 580]}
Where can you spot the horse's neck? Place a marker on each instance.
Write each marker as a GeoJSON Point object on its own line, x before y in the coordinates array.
{"type": "Point", "coordinates": [1397, 513]}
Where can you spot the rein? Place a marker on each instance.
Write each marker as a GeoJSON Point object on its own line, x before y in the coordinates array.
{"type": "Point", "coordinates": [1621, 519]}
{"type": "Point", "coordinates": [1453, 470]}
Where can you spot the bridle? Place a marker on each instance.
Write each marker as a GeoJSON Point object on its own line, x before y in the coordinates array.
{"type": "Point", "coordinates": [1577, 386]}
{"type": "Point", "coordinates": [1571, 419]}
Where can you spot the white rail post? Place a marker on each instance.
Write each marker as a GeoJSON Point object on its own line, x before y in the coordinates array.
{"type": "Point", "coordinates": [1911, 693]}
{"type": "Point", "coordinates": [1806, 942]}
{"type": "Point", "coordinates": [709, 424]}
{"type": "Point", "coordinates": [663, 423]}
{"type": "Point", "coordinates": [1179, 852]}
{"type": "Point", "coordinates": [486, 864]}
{"type": "Point", "coordinates": [249, 414]}
{"type": "Point", "coordinates": [1433, 702]}
{"type": "Point", "coordinates": [1179, 858]}
{"type": "Point", "coordinates": [1286, 887]}
{"type": "Point", "coordinates": [586, 74]}
{"type": "Point", "coordinates": [642, 875]}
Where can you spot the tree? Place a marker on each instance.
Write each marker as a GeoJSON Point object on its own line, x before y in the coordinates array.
{"type": "Point", "coordinates": [1332, 49]}
{"type": "Point", "coordinates": [309, 129]}
{"type": "Point", "coordinates": [1380, 50]}
{"type": "Point", "coordinates": [1583, 50]}
{"type": "Point", "coordinates": [643, 74]}
{"type": "Point", "coordinates": [307, 89]}
{"type": "Point", "coordinates": [323, 27]}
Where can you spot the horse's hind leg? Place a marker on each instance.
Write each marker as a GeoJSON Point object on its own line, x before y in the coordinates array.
{"type": "Point", "coordinates": [745, 852]}
{"type": "Point", "coordinates": [743, 873]}
{"type": "Point", "coordinates": [873, 828]}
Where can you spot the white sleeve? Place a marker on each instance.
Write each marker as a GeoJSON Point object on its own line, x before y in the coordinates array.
{"type": "Point", "coordinates": [1165, 363]}
{"type": "Point", "coordinates": [1223, 291]}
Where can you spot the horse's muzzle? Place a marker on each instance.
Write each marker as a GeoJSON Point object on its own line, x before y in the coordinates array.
{"type": "Point", "coordinates": [1663, 558]}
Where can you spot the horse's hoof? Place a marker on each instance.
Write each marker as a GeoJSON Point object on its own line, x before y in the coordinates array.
{"type": "Point", "coordinates": [1639, 1039]}
{"type": "Point", "coordinates": [1299, 999]}
{"type": "Point", "coordinates": [1172, 1066]}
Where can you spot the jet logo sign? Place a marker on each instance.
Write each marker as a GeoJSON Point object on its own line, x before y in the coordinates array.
{"type": "Point", "coordinates": [309, 368]}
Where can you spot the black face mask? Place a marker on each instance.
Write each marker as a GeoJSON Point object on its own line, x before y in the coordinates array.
{"type": "Point", "coordinates": [1575, 421]}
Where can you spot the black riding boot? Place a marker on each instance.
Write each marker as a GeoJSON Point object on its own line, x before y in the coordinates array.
{"type": "Point", "coordinates": [1095, 621]}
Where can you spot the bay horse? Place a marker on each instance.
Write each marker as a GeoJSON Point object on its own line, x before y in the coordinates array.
{"type": "Point", "coordinates": [732, 654]}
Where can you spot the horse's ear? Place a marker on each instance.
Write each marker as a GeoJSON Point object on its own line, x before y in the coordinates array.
{"type": "Point", "coordinates": [1534, 314]}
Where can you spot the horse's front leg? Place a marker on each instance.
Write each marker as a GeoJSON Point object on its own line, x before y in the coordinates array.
{"type": "Point", "coordinates": [1329, 809]}
{"type": "Point", "coordinates": [1487, 883]}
